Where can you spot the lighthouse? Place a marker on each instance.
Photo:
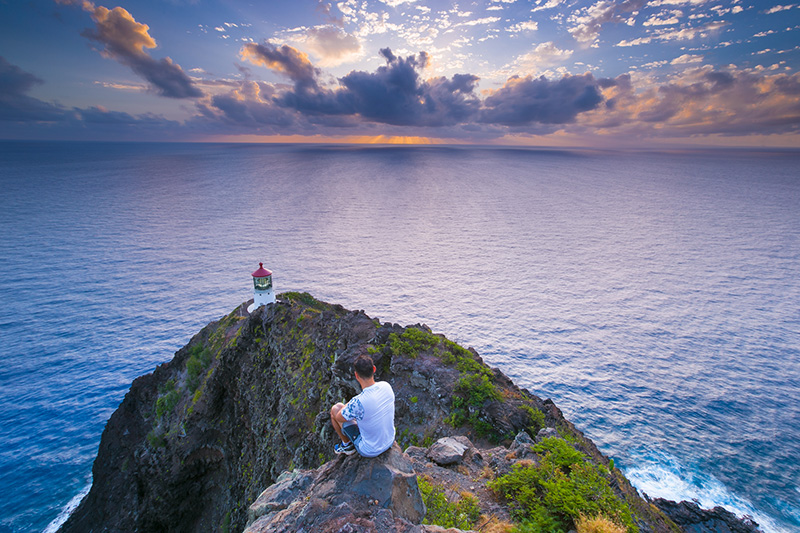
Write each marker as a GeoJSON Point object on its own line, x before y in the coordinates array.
{"type": "Point", "coordinates": [262, 288]}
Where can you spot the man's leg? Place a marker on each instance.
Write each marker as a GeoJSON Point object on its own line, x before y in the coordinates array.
{"type": "Point", "coordinates": [337, 426]}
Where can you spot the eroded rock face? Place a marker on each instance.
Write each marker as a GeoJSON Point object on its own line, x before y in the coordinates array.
{"type": "Point", "coordinates": [692, 519]}
{"type": "Point", "coordinates": [368, 494]}
{"type": "Point", "coordinates": [249, 398]}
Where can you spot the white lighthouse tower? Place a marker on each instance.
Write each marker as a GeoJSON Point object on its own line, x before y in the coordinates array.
{"type": "Point", "coordinates": [262, 288]}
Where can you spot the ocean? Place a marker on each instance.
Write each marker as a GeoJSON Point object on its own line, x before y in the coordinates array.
{"type": "Point", "coordinates": [655, 297]}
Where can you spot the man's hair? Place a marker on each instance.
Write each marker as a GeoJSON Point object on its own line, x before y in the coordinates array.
{"type": "Point", "coordinates": [363, 366]}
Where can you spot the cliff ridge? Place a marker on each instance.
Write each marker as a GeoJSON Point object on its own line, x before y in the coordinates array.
{"type": "Point", "coordinates": [234, 433]}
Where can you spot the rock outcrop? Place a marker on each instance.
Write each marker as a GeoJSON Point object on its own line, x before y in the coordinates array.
{"type": "Point", "coordinates": [244, 407]}
{"type": "Point", "coordinates": [378, 494]}
{"type": "Point", "coordinates": [692, 519]}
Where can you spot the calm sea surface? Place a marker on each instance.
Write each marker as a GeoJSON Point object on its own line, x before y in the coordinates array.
{"type": "Point", "coordinates": [655, 297]}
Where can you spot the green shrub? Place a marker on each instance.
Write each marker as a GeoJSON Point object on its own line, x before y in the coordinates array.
{"type": "Point", "coordinates": [407, 438]}
{"type": "Point", "coordinates": [165, 404]}
{"type": "Point", "coordinates": [199, 360]}
{"type": "Point", "coordinates": [562, 488]}
{"type": "Point", "coordinates": [411, 342]}
{"type": "Point", "coordinates": [420, 340]}
{"type": "Point", "coordinates": [476, 388]}
{"type": "Point", "coordinates": [462, 514]}
{"type": "Point", "coordinates": [155, 440]}
{"type": "Point", "coordinates": [558, 452]}
{"type": "Point", "coordinates": [193, 369]}
{"type": "Point", "coordinates": [401, 347]}
{"type": "Point", "coordinates": [535, 419]}
{"type": "Point", "coordinates": [166, 387]}
{"type": "Point", "coordinates": [302, 297]}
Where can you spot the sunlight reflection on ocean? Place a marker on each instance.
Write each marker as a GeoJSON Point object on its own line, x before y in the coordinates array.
{"type": "Point", "coordinates": [654, 297]}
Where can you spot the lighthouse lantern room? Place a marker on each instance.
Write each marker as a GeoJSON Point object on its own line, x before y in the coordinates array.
{"type": "Point", "coordinates": [262, 288]}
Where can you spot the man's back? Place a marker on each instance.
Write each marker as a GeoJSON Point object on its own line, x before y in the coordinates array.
{"type": "Point", "coordinates": [373, 410]}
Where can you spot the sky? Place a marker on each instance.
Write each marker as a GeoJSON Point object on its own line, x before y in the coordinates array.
{"type": "Point", "coordinates": [605, 73]}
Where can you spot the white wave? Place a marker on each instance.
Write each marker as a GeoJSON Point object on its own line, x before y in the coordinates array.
{"type": "Point", "coordinates": [53, 526]}
{"type": "Point", "coordinates": [664, 477]}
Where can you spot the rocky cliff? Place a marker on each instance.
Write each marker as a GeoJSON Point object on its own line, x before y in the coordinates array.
{"type": "Point", "coordinates": [244, 407]}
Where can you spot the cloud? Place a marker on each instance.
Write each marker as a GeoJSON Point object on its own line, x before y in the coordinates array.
{"type": "Point", "coordinates": [126, 41]}
{"type": "Point", "coordinates": [15, 105]}
{"type": "Point", "coordinates": [528, 25]}
{"type": "Point", "coordinates": [703, 101]}
{"type": "Point", "coordinates": [476, 22]}
{"type": "Point", "coordinates": [284, 60]}
{"type": "Point", "coordinates": [545, 55]}
{"type": "Point", "coordinates": [395, 94]}
{"type": "Point", "coordinates": [686, 59]}
{"type": "Point", "coordinates": [659, 3]}
{"type": "Point", "coordinates": [589, 21]}
{"type": "Point", "coordinates": [333, 45]}
{"type": "Point", "coordinates": [524, 101]}
{"type": "Point", "coordinates": [395, 3]}
{"type": "Point", "coordinates": [22, 116]}
{"type": "Point", "coordinates": [779, 8]}
{"type": "Point", "coordinates": [550, 4]}
{"type": "Point", "coordinates": [325, 9]}
{"type": "Point", "coordinates": [684, 34]}
{"type": "Point", "coordinates": [664, 18]}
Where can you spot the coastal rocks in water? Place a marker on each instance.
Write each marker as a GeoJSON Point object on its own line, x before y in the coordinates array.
{"type": "Point", "coordinates": [368, 494]}
{"type": "Point", "coordinates": [692, 519]}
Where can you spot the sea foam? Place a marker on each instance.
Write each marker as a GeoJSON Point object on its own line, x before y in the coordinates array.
{"type": "Point", "coordinates": [53, 526]}
{"type": "Point", "coordinates": [663, 476]}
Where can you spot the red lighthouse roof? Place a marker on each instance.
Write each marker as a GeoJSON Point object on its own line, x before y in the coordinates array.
{"type": "Point", "coordinates": [261, 272]}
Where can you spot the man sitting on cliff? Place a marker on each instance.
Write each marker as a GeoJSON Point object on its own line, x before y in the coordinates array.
{"type": "Point", "coordinates": [366, 423]}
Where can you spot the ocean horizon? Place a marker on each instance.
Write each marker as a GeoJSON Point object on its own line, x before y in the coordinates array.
{"type": "Point", "coordinates": [652, 295]}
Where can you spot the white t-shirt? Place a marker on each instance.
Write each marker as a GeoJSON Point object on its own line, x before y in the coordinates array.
{"type": "Point", "coordinates": [373, 410]}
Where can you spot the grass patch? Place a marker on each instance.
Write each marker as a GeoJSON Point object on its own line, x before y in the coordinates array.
{"type": "Point", "coordinates": [463, 513]}
{"type": "Point", "coordinates": [562, 488]}
{"type": "Point", "coordinates": [304, 298]}
{"type": "Point", "coordinates": [199, 360]}
{"type": "Point", "coordinates": [597, 524]}
{"type": "Point", "coordinates": [166, 404]}
{"type": "Point", "coordinates": [407, 438]}
{"type": "Point", "coordinates": [155, 440]}
{"type": "Point", "coordinates": [475, 384]}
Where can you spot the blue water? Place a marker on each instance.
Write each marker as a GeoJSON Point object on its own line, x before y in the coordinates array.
{"type": "Point", "coordinates": [654, 296]}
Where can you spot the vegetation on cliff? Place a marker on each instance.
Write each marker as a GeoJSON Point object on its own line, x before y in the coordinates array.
{"type": "Point", "coordinates": [195, 443]}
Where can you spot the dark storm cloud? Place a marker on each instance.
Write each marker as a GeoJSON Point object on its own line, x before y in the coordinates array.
{"type": "Point", "coordinates": [393, 94]}
{"type": "Point", "coordinates": [528, 100]}
{"type": "Point", "coordinates": [15, 105]}
{"type": "Point", "coordinates": [23, 116]}
{"type": "Point", "coordinates": [125, 40]}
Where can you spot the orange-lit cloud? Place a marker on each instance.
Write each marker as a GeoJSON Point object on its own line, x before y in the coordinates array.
{"type": "Point", "coordinates": [702, 101]}
{"type": "Point", "coordinates": [125, 40]}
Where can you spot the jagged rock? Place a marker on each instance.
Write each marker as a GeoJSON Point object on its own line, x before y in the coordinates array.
{"type": "Point", "coordinates": [248, 398]}
{"type": "Point", "coordinates": [692, 519]}
{"type": "Point", "coordinates": [281, 494]}
{"type": "Point", "coordinates": [369, 494]}
{"type": "Point", "coordinates": [545, 433]}
{"type": "Point", "coordinates": [449, 450]}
